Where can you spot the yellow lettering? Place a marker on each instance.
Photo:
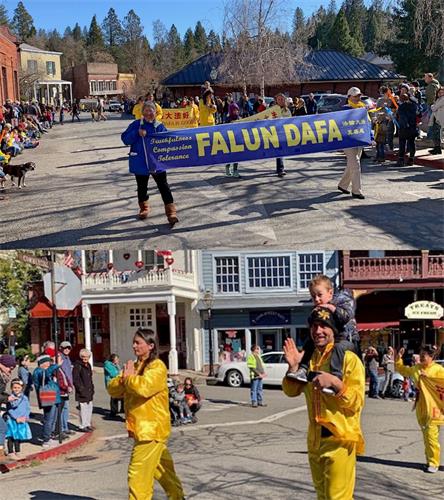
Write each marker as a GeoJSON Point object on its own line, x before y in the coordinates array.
{"type": "Point", "coordinates": [307, 134]}
{"type": "Point", "coordinates": [292, 134]}
{"type": "Point", "coordinates": [252, 146]}
{"type": "Point", "coordinates": [203, 141]}
{"type": "Point", "coordinates": [270, 136]}
{"type": "Point", "coordinates": [321, 130]}
{"type": "Point", "coordinates": [333, 131]}
{"type": "Point", "coordinates": [234, 147]}
{"type": "Point", "coordinates": [219, 144]}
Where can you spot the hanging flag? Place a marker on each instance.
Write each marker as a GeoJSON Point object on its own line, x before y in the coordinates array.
{"type": "Point", "coordinates": [68, 259]}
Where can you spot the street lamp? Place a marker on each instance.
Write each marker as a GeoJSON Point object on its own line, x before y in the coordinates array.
{"type": "Point", "coordinates": [208, 300]}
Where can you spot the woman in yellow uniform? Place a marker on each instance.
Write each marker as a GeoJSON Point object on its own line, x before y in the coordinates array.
{"type": "Point", "coordinates": [429, 410]}
{"type": "Point", "coordinates": [143, 385]}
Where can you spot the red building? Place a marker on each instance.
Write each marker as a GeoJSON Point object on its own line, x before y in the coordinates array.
{"type": "Point", "coordinates": [9, 64]}
{"type": "Point", "coordinates": [386, 283]}
{"type": "Point", "coordinates": [70, 325]}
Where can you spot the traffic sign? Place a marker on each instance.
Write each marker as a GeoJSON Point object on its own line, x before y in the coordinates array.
{"type": "Point", "coordinates": [68, 291]}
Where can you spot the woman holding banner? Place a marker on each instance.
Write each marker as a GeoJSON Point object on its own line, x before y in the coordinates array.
{"type": "Point", "coordinates": [134, 136]}
{"type": "Point", "coordinates": [207, 108]}
{"type": "Point", "coordinates": [429, 381]}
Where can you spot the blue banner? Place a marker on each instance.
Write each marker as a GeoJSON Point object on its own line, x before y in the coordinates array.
{"type": "Point", "coordinates": [243, 141]}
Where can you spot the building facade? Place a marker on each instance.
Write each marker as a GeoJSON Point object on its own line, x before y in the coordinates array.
{"type": "Point", "coordinates": [259, 298]}
{"type": "Point", "coordinates": [9, 66]}
{"type": "Point", "coordinates": [42, 71]}
{"type": "Point", "coordinates": [386, 283]}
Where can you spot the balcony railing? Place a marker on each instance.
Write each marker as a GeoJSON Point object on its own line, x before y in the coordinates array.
{"type": "Point", "coordinates": [393, 268]}
{"type": "Point", "coordinates": [140, 279]}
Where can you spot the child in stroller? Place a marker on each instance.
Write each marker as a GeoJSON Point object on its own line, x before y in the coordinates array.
{"type": "Point", "coordinates": [179, 410]}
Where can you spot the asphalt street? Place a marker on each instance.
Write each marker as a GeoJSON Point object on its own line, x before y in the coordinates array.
{"type": "Point", "coordinates": [237, 451]}
{"type": "Point", "coordinates": [81, 195]}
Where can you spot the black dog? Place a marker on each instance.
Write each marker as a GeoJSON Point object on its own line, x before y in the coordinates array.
{"type": "Point", "coordinates": [18, 171]}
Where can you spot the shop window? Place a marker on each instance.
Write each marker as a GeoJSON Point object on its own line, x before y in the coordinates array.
{"type": "Point", "coordinates": [50, 68]}
{"type": "Point", "coordinates": [302, 334]}
{"type": "Point", "coordinates": [231, 346]}
{"type": "Point", "coordinates": [227, 274]}
{"type": "Point", "coordinates": [32, 66]}
{"type": "Point", "coordinates": [269, 272]}
{"type": "Point", "coordinates": [152, 261]}
{"type": "Point", "coordinates": [141, 317]}
{"type": "Point", "coordinates": [310, 265]}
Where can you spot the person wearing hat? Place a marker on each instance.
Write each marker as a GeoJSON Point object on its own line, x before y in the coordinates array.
{"type": "Point", "coordinates": [334, 433]}
{"type": "Point", "coordinates": [44, 376]}
{"type": "Point", "coordinates": [352, 173]}
{"type": "Point", "coordinates": [7, 365]}
{"type": "Point", "coordinates": [66, 384]}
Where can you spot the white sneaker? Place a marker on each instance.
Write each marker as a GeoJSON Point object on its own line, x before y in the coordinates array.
{"type": "Point", "coordinates": [431, 469]}
{"type": "Point", "coordinates": [49, 444]}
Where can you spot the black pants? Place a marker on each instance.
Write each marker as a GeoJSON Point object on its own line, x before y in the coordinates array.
{"type": "Point", "coordinates": [114, 406]}
{"type": "Point", "coordinates": [13, 446]}
{"type": "Point", "coordinates": [337, 355]}
{"type": "Point", "coordinates": [406, 140]}
{"type": "Point", "coordinates": [280, 167]}
{"type": "Point", "coordinates": [162, 183]}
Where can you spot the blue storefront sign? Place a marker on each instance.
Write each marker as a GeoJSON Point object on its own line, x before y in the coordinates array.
{"type": "Point", "coordinates": [245, 141]}
{"type": "Point", "coordinates": [270, 318]}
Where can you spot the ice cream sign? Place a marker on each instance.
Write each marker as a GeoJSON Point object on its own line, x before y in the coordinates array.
{"type": "Point", "coordinates": [424, 309]}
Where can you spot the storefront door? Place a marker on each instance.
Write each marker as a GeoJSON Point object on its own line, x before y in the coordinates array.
{"type": "Point", "coordinates": [271, 339]}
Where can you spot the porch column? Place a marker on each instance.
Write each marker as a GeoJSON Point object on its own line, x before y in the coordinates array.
{"type": "Point", "coordinates": [35, 92]}
{"type": "Point", "coordinates": [197, 353]}
{"type": "Point", "coordinates": [60, 94]}
{"type": "Point", "coordinates": [110, 256]}
{"type": "Point", "coordinates": [172, 356]}
{"type": "Point", "coordinates": [86, 313]}
{"type": "Point", "coordinates": [70, 91]}
{"type": "Point", "coordinates": [47, 92]}
{"type": "Point", "coordinates": [83, 264]}
{"type": "Point", "coordinates": [139, 255]}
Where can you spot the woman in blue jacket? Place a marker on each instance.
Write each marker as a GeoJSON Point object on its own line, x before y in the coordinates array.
{"type": "Point", "coordinates": [111, 369]}
{"type": "Point", "coordinates": [135, 136]}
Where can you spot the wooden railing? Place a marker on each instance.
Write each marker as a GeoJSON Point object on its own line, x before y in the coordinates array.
{"type": "Point", "coordinates": [399, 267]}
{"type": "Point", "coordinates": [141, 279]}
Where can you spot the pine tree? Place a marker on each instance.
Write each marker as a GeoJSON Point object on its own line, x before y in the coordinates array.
{"type": "Point", "coordinates": [214, 41]}
{"type": "Point", "coordinates": [4, 20]}
{"type": "Point", "coordinates": [112, 29]}
{"type": "Point", "coordinates": [340, 38]}
{"type": "Point", "coordinates": [22, 23]}
{"type": "Point", "coordinates": [188, 46]}
{"type": "Point", "coordinates": [95, 36]}
{"type": "Point", "coordinates": [77, 32]}
{"type": "Point", "coordinates": [299, 33]}
{"type": "Point", "coordinates": [54, 42]}
{"type": "Point", "coordinates": [200, 39]}
{"type": "Point", "coordinates": [374, 31]}
{"type": "Point", "coordinates": [175, 49]}
{"type": "Point", "coordinates": [356, 15]}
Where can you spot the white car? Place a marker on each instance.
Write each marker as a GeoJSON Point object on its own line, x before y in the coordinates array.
{"type": "Point", "coordinates": [237, 373]}
{"type": "Point", "coordinates": [114, 106]}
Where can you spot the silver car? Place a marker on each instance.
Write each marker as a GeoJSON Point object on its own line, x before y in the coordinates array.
{"type": "Point", "coordinates": [237, 373]}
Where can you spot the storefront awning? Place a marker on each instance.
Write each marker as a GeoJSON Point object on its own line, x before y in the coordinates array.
{"type": "Point", "coordinates": [377, 326]}
{"type": "Point", "coordinates": [44, 310]}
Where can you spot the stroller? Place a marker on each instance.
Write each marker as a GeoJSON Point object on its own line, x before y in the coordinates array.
{"type": "Point", "coordinates": [174, 410]}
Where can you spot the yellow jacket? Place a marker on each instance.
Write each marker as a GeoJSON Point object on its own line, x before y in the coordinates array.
{"type": "Point", "coordinates": [195, 114]}
{"type": "Point", "coordinates": [137, 111]}
{"type": "Point", "coordinates": [340, 414]}
{"type": "Point", "coordinates": [434, 371]}
{"type": "Point", "coordinates": [206, 114]}
{"type": "Point", "coordinates": [146, 402]}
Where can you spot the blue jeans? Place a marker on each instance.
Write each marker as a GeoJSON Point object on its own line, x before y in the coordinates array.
{"type": "Point", "coordinates": [2, 432]}
{"type": "Point", "coordinates": [49, 418]}
{"type": "Point", "coordinates": [256, 390]}
{"type": "Point", "coordinates": [374, 383]}
{"type": "Point", "coordinates": [65, 415]}
{"type": "Point", "coordinates": [380, 150]}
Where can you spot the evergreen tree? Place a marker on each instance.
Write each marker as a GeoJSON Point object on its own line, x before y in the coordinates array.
{"type": "Point", "coordinates": [77, 32]}
{"type": "Point", "coordinates": [188, 46]}
{"type": "Point", "coordinates": [200, 39]}
{"type": "Point", "coordinates": [4, 20]}
{"type": "Point", "coordinates": [22, 23]}
{"type": "Point", "coordinates": [299, 32]}
{"type": "Point", "coordinates": [376, 30]}
{"type": "Point", "coordinates": [95, 36]}
{"type": "Point", "coordinates": [135, 49]}
{"type": "Point", "coordinates": [175, 49]}
{"type": "Point", "coordinates": [214, 41]}
{"type": "Point", "coordinates": [54, 42]}
{"type": "Point", "coordinates": [112, 29]}
{"type": "Point", "coordinates": [356, 15]}
{"type": "Point", "coordinates": [67, 32]}
{"type": "Point", "coordinates": [340, 38]}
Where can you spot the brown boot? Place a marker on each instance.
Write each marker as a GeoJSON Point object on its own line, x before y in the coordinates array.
{"type": "Point", "coordinates": [171, 213]}
{"type": "Point", "coordinates": [4, 459]}
{"type": "Point", "coordinates": [144, 209]}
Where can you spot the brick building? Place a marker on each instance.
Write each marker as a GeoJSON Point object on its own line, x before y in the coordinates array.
{"type": "Point", "coordinates": [99, 79]}
{"type": "Point", "coordinates": [326, 71]}
{"type": "Point", "coordinates": [9, 65]}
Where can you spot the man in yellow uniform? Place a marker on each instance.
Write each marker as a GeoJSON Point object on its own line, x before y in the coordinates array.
{"type": "Point", "coordinates": [137, 108]}
{"type": "Point", "coordinates": [159, 113]}
{"type": "Point", "coordinates": [428, 378]}
{"type": "Point", "coordinates": [334, 432]}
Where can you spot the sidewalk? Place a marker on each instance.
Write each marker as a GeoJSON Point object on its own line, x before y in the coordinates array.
{"type": "Point", "coordinates": [423, 158]}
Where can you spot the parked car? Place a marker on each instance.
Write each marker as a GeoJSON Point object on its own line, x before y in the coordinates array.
{"type": "Point", "coordinates": [335, 102]}
{"type": "Point", "coordinates": [236, 373]}
{"type": "Point", "coordinates": [267, 100]}
{"type": "Point", "coordinates": [115, 106]}
{"type": "Point", "coordinates": [317, 96]}
{"type": "Point", "coordinates": [88, 104]}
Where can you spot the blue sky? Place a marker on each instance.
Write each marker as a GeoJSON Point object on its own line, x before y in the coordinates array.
{"type": "Point", "coordinates": [50, 14]}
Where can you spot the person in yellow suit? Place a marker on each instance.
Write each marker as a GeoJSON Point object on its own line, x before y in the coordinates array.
{"type": "Point", "coordinates": [143, 385]}
{"type": "Point", "coordinates": [207, 108]}
{"type": "Point", "coordinates": [137, 108]}
{"type": "Point", "coordinates": [159, 113]}
{"type": "Point", "coordinates": [429, 416]}
{"type": "Point", "coordinates": [334, 432]}
{"type": "Point", "coordinates": [194, 112]}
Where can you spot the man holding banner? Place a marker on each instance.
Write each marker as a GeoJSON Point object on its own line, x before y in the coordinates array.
{"type": "Point", "coordinates": [429, 381]}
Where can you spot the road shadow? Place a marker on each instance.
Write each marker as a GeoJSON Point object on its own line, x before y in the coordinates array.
{"type": "Point", "coordinates": [393, 463]}
{"type": "Point", "coordinates": [51, 495]}
{"type": "Point", "coordinates": [98, 149]}
{"type": "Point", "coordinates": [97, 162]}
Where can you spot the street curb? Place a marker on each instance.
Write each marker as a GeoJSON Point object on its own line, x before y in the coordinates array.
{"type": "Point", "coordinates": [45, 455]}
{"type": "Point", "coordinates": [424, 162]}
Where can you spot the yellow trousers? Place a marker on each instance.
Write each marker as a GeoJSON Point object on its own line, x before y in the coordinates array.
{"type": "Point", "coordinates": [151, 460]}
{"type": "Point", "coordinates": [333, 469]}
{"type": "Point", "coordinates": [430, 434]}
